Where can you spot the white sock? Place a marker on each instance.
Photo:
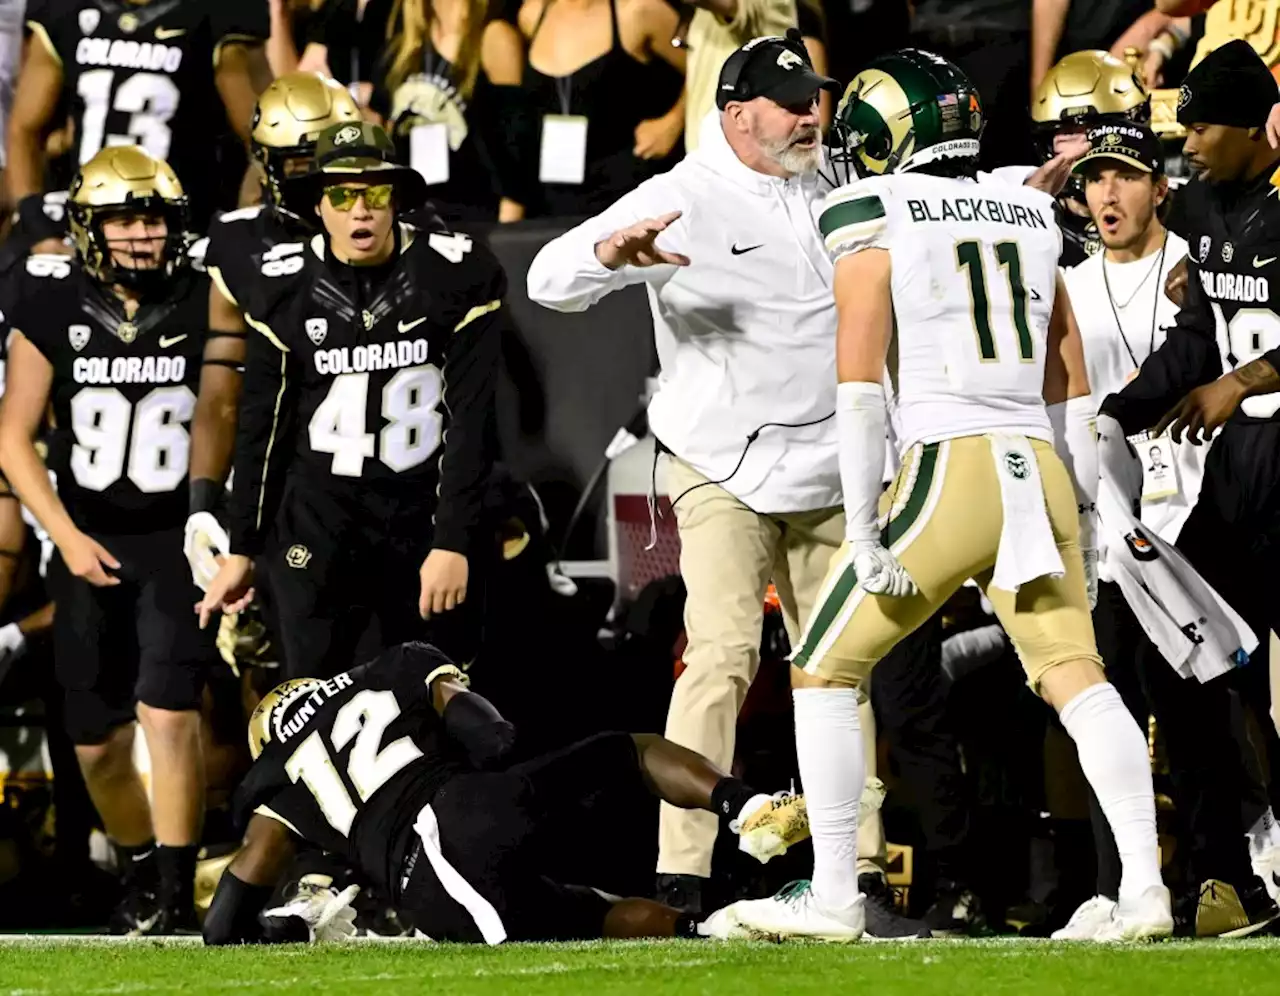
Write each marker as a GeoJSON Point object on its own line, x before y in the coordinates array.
{"type": "Point", "coordinates": [1264, 833]}
{"type": "Point", "coordinates": [832, 770]}
{"type": "Point", "coordinates": [1113, 756]}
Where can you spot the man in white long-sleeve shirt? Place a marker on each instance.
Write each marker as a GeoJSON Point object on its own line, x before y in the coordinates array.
{"type": "Point", "coordinates": [739, 283]}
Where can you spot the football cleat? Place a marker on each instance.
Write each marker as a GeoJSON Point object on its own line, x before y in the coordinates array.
{"type": "Point", "coordinates": [1147, 918]}
{"type": "Point", "coordinates": [776, 825]}
{"type": "Point", "coordinates": [1224, 910]}
{"type": "Point", "coordinates": [1085, 923]}
{"type": "Point", "coordinates": [135, 914]}
{"type": "Point", "coordinates": [723, 925]}
{"type": "Point", "coordinates": [883, 921]}
{"type": "Point", "coordinates": [794, 913]}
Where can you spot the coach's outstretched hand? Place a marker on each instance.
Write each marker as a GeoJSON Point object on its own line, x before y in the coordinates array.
{"type": "Point", "coordinates": [231, 589]}
{"type": "Point", "coordinates": [634, 245]}
{"type": "Point", "coordinates": [443, 576]}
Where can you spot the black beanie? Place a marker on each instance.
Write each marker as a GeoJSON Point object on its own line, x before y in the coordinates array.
{"type": "Point", "coordinates": [1231, 86]}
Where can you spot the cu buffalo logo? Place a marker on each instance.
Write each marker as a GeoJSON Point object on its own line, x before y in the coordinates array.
{"type": "Point", "coordinates": [297, 556]}
{"type": "Point", "coordinates": [347, 135]}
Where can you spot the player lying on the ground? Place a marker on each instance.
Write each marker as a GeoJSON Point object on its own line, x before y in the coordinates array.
{"type": "Point", "coordinates": [386, 765]}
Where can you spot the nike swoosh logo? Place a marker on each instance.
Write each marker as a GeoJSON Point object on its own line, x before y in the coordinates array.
{"type": "Point", "coordinates": [166, 343]}
{"type": "Point", "coordinates": [406, 326]}
{"type": "Point", "coordinates": [162, 34]}
{"type": "Point", "coordinates": [1263, 262]}
{"type": "Point", "coordinates": [1035, 294]}
{"type": "Point", "coordinates": [738, 252]}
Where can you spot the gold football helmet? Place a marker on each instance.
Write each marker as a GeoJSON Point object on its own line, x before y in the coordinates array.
{"type": "Point", "coordinates": [126, 180]}
{"type": "Point", "coordinates": [288, 118]}
{"type": "Point", "coordinates": [1083, 89]}
{"type": "Point", "coordinates": [270, 711]}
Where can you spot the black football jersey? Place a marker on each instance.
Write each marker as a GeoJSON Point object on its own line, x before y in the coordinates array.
{"type": "Point", "coordinates": [237, 242]}
{"type": "Point", "coordinates": [350, 765]}
{"type": "Point", "coordinates": [372, 384]}
{"type": "Point", "coordinates": [143, 73]}
{"type": "Point", "coordinates": [123, 391]}
{"type": "Point", "coordinates": [1231, 313]}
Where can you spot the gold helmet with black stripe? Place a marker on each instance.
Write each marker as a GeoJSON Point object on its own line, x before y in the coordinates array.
{"type": "Point", "coordinates": [124, 182]}
{"type": "Point", "coordinates": [287, 120]}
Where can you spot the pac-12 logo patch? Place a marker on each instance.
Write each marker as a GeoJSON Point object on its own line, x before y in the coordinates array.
{"type": "Point", "coordinates": [79, 336]}
{"type": "Point", "coordinates": [317, 329]}
{"type": "Point", "coordinates": [89, 18]}
{"type": "Point", "coordinates": [1205, 243]}
{"type": "Point", "coordinates": [1017, 466]}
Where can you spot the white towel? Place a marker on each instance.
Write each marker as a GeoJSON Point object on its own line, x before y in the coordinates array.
{"type": "Point", "coordinates": [1027, 547]}
{"type": "Point", "coordinates": [1198, 633]}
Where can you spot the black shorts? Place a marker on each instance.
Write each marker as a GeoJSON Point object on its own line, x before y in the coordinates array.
{"type": "Point", "coordinates": [138, 641]}
{"type": "Point", "coordinates": [497, 868]}
{"type": "Point", "coordinates": [345, 585]}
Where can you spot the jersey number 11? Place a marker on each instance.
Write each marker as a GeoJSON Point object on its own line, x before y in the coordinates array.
{"type": "Point", "coordinates": [969, 257]}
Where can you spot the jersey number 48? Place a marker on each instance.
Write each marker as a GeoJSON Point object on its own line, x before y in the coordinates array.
{"type": "Point", "coordinates": [370, 766]}
{"type": "Point", "coordinates": [409, 405]}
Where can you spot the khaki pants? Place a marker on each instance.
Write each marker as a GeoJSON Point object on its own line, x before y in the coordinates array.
{"type": "Point", "coordinates": [728, 556]}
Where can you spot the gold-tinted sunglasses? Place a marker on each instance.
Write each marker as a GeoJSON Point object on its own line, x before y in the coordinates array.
{"type": "Point", "coordinates": [375, 197]}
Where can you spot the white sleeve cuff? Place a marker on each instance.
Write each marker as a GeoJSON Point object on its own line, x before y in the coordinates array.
{"type": "Point", "coordinates": [862, 425]}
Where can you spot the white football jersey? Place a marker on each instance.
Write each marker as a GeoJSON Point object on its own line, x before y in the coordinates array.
{"type": "Point", "coordinates": [975, 265]}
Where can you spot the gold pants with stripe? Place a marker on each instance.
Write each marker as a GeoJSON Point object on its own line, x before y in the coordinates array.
{"type": "Point", "coordinates": [944, 515]}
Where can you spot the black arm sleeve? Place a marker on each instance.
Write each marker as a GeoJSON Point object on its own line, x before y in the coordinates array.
{"type": "Point", "coordinates": [1187, 358]}
{"type": "Point", "coordinates": [266, 402]}
{"type": "Point", "coordinates": [233, 914]}
{"type": "Point", "coordinates": [473, 723]}
{"type": "Point", "coordinates": [471, 377]}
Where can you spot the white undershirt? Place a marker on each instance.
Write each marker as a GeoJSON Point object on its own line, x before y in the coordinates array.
{"type": "Point", "coordinates": [1137, 289]}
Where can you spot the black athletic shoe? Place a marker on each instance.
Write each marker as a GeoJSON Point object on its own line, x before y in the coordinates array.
{"type": "Point", "coordinates": [1219, 909]}
{"type": "Point", "coordinates": [172, 918]}
{"type": "Point", "coordinates": [683, 892]}
{"type": "Point", "coordinates": [884, 922]}
{"type": "Point", "coordinates": [956, 912]}
{"type": "Point", "coordinates": [135, 913]}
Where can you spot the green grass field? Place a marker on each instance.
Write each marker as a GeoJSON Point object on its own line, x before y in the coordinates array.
{"type": "Point", "coordinates": [953, 968]}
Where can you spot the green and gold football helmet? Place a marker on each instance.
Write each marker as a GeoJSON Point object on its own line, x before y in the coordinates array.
{"type": "Point", "coordinates": [906, 109]}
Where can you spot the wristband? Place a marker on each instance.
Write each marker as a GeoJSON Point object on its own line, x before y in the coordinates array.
{"type": "Point", "coordinates": [204, 495]}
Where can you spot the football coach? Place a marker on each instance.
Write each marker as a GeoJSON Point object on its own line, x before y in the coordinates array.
{"type": "Point", "coordinates": [740, 287]}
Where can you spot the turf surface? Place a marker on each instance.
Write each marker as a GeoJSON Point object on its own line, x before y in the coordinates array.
{"type": "Point", "coordinates": [954, 968]}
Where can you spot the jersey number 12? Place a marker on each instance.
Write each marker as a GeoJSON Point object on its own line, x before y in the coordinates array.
{"type": "Point", "coordinates": [371, 765]}
{"type": "Point", "coordinates": [969, 257]}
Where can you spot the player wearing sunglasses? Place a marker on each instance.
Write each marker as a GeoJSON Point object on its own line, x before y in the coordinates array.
{"type": "Point", "coordinates": [362, 448]}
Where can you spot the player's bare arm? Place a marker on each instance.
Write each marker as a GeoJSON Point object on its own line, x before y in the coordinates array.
{"type": "Point", "coordinates": [1206, 408]}
{"type": "Point", "coordinates": [246, 885]}
{"type": "Point", "coordinates": [213, 428]}
{"type": "Point", "coordinates": [241, 73]}
{"type": "Point", "coordinates": [29, 379]}
{"type": "Point", "coordinates": [34, 103]}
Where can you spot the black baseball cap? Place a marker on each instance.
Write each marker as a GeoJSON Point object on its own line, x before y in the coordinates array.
{"type": "Point", "coordinates": [1133, 144]}
{"type": "Point", "coordinates": [774, 67]}
{"type": "Point", "coordinates": [359, 151]}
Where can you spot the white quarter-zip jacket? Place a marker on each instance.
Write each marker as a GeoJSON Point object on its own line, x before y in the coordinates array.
{"type": "Point", "coordinates": [745, 334]}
